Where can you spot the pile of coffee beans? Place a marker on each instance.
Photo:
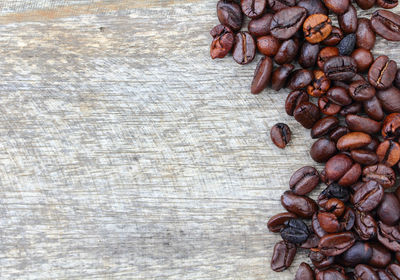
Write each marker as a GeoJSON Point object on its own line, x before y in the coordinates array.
{"type": "Point", "coordinates": [351, 102]}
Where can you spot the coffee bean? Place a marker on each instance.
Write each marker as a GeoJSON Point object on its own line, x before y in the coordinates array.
{"type": "Point", "coordinates": [280, 135]}
{"type": "Point", "coordinates": [262, 75]}
{"type": "Point", "coordinates": [287, 22]}
{"type": "Point", "coordinates": [365, 35]}
{"type": "Point", "coordinates": [322, 150]}
{"type": "Point", "coordinates": [359, 253]}
{"type": "Point", "coordinates": [333, 191]}
{"type": "Point", "coordinates": [362, 124]}
{"type": "Point", "coordinates": [364, 157]}
{"type": "Point", "coordinates": [230, 14]}
{"type": "Point", "coordinates": [244, 49]}
{"type": "Point", "coordinates": [387, 4]}
{"type": "Point", "coordinates": [304, 180]}
{"type": "Point", "coordinates": [316, 28]}
{"type": "Point", "coordinates": [268, 45]}
{"type": "Point", "coordinates": [320, 85]}
{"type": "Point", "coordinates": [336, 243]}
{"type": "Point", "coordinates": [368, 197]}
{"type": "Point", "coordinates": [311, 242]}
{"type": "Point", "coordinates": [253, 8]}
{"type": "Point", "coordinates": [365, 4]}
{"type": "Point", "coordinates": [365, 226]}
{"type": "Point", "coordinates": [327, 107]}
{"type": "Point", "coordinates": [302, 206]}
{"type": "Point", "coordinates": [337, 6]}
{"type": "Point", "coordinates": [308, 55]}
{"type": "Point", "coordinates": [261, 26]}
{"type": "Point", "coordinates": [363, 58]}
{"type": "Point", "coordinates": [386, 24]}
{"type": "Point", "coordinates": [321, 261]}
{"type": "Point", "coordinates": [300, 79]}
{"type": "Point", "coordinates": [277, 5]}
{"type": "Point", "coordinates": [338, 166]}
{"type": "Point", "coordinates": [348, 20]}
{"type": "Point", "coordinates": [304, 272]}
{"type": "Point", "coordinates": [326, 53]}
{"type": "Point", "coordinates": [354, 108]}
{"type": "Point", "coordinates": [338, 132]}
{"type": "Point", "coordinates": [353, 140]}
{"type": "Point", "coordinates": [381, 173]}
{"type": "Point", "coordinates": [222, 43]}
{"type": "Point", "coordinates": [294, 99]}
{"type": "Point", "coordinates": [313, 7]}
{"type": "Point", "coordinates": [329, 222]}
{"type": "Point", "coordinates": [335, 206]}
{"type": "Point", "coordinates": [363, 271]}
{"type": "Point", "coordinates": [388, 152]}
{"type": "Point", "coordinates": [381, 256]}
{"type": "Point", "coordinates": [389, 209]}
{"type": "Point", "coordinates": [295, 231]}
{"type": "Point", "coordinates": [361, 91]}
{"type": "Point", "coordinates": [279, 77]}
{"type": "Point", "coordinates": [340, 68]}
{"type": "Point", "coordinates": [346, 46]}
{"type": "Point", "coordinates": [390, 99]}
{"type": "Point", "coordinates": [283, 256]}
{"type": "Point", "coordinates": [324, 126]}
{"type": "Point", "coordinates": [391, 126]}
{"type": "Point", "coordinates": [287, 51]}
{"type": "Point", "coordinates": [334, 38]}
{"type": "Point", "coordinates": [339, 95]}
{"type": "Point", "coordinates": [276, 222]}
{"type": "Point", "coordinates": [374, 109]}
{"type": "Point", "coordinates": [389, 236]}
{"type": "Point", "coordinates": [382, 72]}
{"type": "Point", "coordinates": [306, 114]}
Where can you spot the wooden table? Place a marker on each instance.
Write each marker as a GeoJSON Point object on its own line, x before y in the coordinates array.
{"type": "Point", "coordinates": [127, 153]}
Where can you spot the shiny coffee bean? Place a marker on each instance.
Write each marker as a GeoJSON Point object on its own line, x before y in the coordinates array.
{"type": "Point", "coordinates": [338, 132]}
{"type": "Point", "coordinates": [365, 35]}
{"type": "Point", "coordinates": [329, 222]}
{"type": "Point", "coordinates": [334, 38]}
{"type": "Point", "coordinates": [353, 140]}
{"type": "Point", "coordinates": [326, 53]}
{"type": "Point", "coordinates": [306, 114]}
{"type": "Point", "coordinates": [294, 99]}
{"type": "Point", "coordinates": [346, 46]}
{"type": "Point", "coordinates": [390, 99]}
{"type": "Point", "coordinates": [363, 271]}
{"type": "Point", "coordinates": [335, 206]}
{"type": "Point", "coordinates": [324, 126]}
{"type": "Point", "coordinates": [361, 91]}
{"type": "Point", "coordinates": [364, 157]}
{"type": "Point", "coordinates": [337, 6]}
{"type": "Point", "coordinates": [280, 135]}
{"type": "Point", "coordinates": [253, 8]}
{"type": "Point", "coordinates": [389, 209]}
{"type": "Point", "coordinates": [316, 227]}
{"type": "Point", "coordinates": [262, 75]}
{"type": "Point", "coordinates": [308, 55]}
{"type": "Point", "coordinates": [389, 236]}
{"type": "Point", "coordinates": [336, 243]}
{"type": "Point", "coordinates": [327, 107]}
{"type": "Point", "coordinates": [295, 231]}
{"type": "Point", "coordinates": [381, 256]}
{"type": "Point", "coordinates": [382, 72]}
{"type": "Point", "coordinates": [365, 226]}
{"type": "Point", "coordinates": [386, 24]}
{"type": "Point", "coordinates": [277, 5]}
{"type": "Point", "coordinates": [261, 26]}
{"type": "Point", "coordinates": [287, 22]}
{"type": "Point", "coordinates": [337, 166]}
{"type": "Point", "coordinates": [363, 58]}
{"type": "Point", "coordinates": [353, 108]}
{"type": "Point", "coordinates": [282, 256]}
{"type": "Point", "coordinates": [244, 49]}
{"type": "Point", "coordinates": [304, 180]}
{"type": "Point", "coordinates": [322, 150]}
{"type": "Point", "coordinates": [365, 4]}
{"type": "Point", "coordinates": [362, 124]}
{"type": "Point", "coordinates": [320, 85]}
{"type": "Point", "coordinates": [359, 253]}
{"type": "Point", "coordinates": [302, 206]}
{"type": "Point", "coordinates": [348, 20]}
{"type": "Point", "coordinates": [279, 77]}
{"type": "Point", "coordinates": [388, 152]}
{"type": "Point", "coordinates": [316, 28]}
{"type": "Point", "coordinates": [300, 79]}
{"type": "Point", "coordinates": [222, 43]}
{"type": "Point", "coordinates": [313, 7]}
{"type": "Point", "coordinates": [230, 14]}
{"type": "Point", "coordinates": [368, 196]}
{"type": "Point", "coordinates": [268, 45]}
{"type": "Point", "coordinates": [276, 222]}
{"type": "Point", "coordinates": [304, 272]}
{"type": "Point", "coordinates": [339, 95]}
{"type": "Point", "coordinates": [287, 51]}
{"type": "Point", "coordinates": [391, 126]}
{"type": "Point", "coordinates": [381, 173]}
{"type": "Point", "coordinates": [374, 109]}
{"type": "Point", "coordinates": [340, 68]}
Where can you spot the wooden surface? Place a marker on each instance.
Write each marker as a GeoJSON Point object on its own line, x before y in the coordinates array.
{"type": "Point", "coordinates": [127, 153]}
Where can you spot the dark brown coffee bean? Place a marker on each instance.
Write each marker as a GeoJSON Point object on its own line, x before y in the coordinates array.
{"type": "Point", "coordinates": [362, 124]}
{"type": "Point", "coordinates": [386, 24]}
{"type": "Point", "coordinates": [316, 227]}
{"type": "Point", "coordinates": [351, 176]}
{"type": "Point", "coordinates": [306, 114]}
{"type": "Point", "coordinates": [389, 236]}
{"type": "Point", "coordinates": [327, 107]}
{"type": "Point", "coordinates": [361, 91]}
{"type": "Point", "coordinates": [368, 196]}
{"type": "Point", "coordinates": [262, 75]}
{"type": "Point", "coordinates": [365, 35]}
{"type": "Point", "coordinates": [320, 261]}
{"type": "Point", "coordinates": [329, 222]}
{"type": "Point", "coordinates": [304, 272]}
{"type": "Point", "coordinates": [381, 173]}
{"type": "Point", "coordinates": [261, 26]}
{"type": "Point", "coordinates": [353, 140]}
{"type": "Point", "coordinates": [390, 99]}
{"type": "Point", "coordinates": [374, 109]}
{"type": "Point", "coordinates": [287, 22]}
{"type": "Point", "coordinates": [334, 38]}
{"type": "Point", "coordinates": [335, 206]}
{"type": "Point", "coordinates": [268, 45]}
{"type": "Point", "coordinates": [295, 231]}
{"type": "Point", "coordinates": [365, 226]}
{"type": "Point", "coordinates": [313, 7]}
{"type": "Point", "coordinates": [253, 8]}
{"type": "Point", "coordinates": [244, 49]}
{"type": "Point", "coordinates": [222, 43]}
{"type": "Point", "coordinates": [324, 126]}
{"type": "Point", "coordinates": [354, 108]}
{"type": "Point", "coordinates": [280, 135]}
{"type": "Point", "coordinates": [322, 150]}
{"type": "Point", "coordinates": [340, 68]}
{"type": "Point", "coordinates": [391, 126]}
{"type": "Point", "coordinates": [365, 4]}
{"type": "Point", "coordinates": [389, 209]}
{"type": "Point", "coordinates": [283, 256]}
{"type": "Point", "coordinates": [348, 20]}
{"type": "Point", "coordinates": [279, 77]}
{"type": "Point", "coordinates": [336, 243]}
{"type": "Point", "coordinates": [276, 222]}
{"type": "Point", "coordinates": [311, 242]}
{"type": "Point", "coordinates": [381, 256]}
{"type": "Point", "coordinates": [388, 152]}
{"type": "Point", "coordinates": [326, 53]}
{"type": "Point", "coordinates": [300, 79]}
{"type": "Point", "coordinates": [366, 272]}
{"type": "Point", "coordinates": [230, 14]}
{"type": "Point", "coordinates": [337, 166]}
{"type": "Point", "coordinates": [304, 180]}
{"type": "Point", "coordinates": [316, 28]}
{"type": "Point", "coordinates": [338, 132]}
{"type": "Point", "coordinates": [359, 253]}
{"type": "Point", "coordinates": [320, 85]}
{"type": "Point", "coordinates": [302, 206]}
{"type": "Point", "coordinates": [277, 5]}
{"type": "Point", "coordinates": [330, 274]}
{"type": "Point", "coordinates": [364, 157]}
{"type": "Point", "coordinates": [346, 46]}
{"type": "Point", "coordinates": [382, 72]}
{"type": "Point", "coordinates": [294, 99]}
{"type": "Point", "coordinates": [363, 58]}
{"type": "Point", "coordinates": [287, 51]}
{"type": "Point", "coordinates": [339, 95]}
{"type": "Point", "coordinates": [337, 6]}
{"type": "Point", "coordinates": [308, 55]}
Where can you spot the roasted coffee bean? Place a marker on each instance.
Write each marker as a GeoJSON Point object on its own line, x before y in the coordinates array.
{"type": "Point", "coordinates": [388, 152]}
{"type": "Point", "coordinates": [276, 222]}
{"type": "Point", "coordinates": [262, 75]}
{"type": "Point", "coordinates": [366, 272]}
{"type": "Point", "coordinates": [300, 79]}
{"type": "Point", "coordinates": [316, 227]}
{"type": "Point", "coordinates": [389, 236]}
{"type": "Point", "coordinates": [365, 35]}
{"type": "Point", "coordinates": [337, 6]}
{"type": "Point", "coordinates": [311, 242]}
{"type": "Point", "coordinates": [222, 43]}
{"type": "Point", "coordinates": [381, 173]}
{"type": "Point", "coordinates": [337, 166]}
{"type": "Point", "coordinates": [304, 180]}
{"type": "Point", "coordinates": [334, 37]}
{"type": "Point", "coordinates": [346, 46]}
{"type": "Point", "coordinates": [353, 140]}
{"type": "Point", "coordinates": [361, 91]}
{"type": "Point", "coordinates": [348, 20]}
{"type": "Point", "coordinates": [319, 260]}
{"type": "Point", "coordinates": [382, 72]}
{"type": "Point", "coordinates": [230, 14]}
{"type": "Point", "coordinates": [268, 45]}
{"type": "Point", "coordinates": [295, 231]}
{"type": "Point", "coordinates": [387, 4]}
{"type": "Point", "coordinates": [333, 191]}
{"type": "Point", "coordinates": [396, 82]}
{"type": "Point", "coordinates": [338, 132]}
{"type": "Point", "coordinates": [340, 68]}
{"type": "Point", "coordinates": [381, 256]}
{"type": "Point", "coordinates": [365, 4]}
{"type": "Point", "coordinates": [329, 222]}
{"type": "Point", "coordinates": [336, 243]}
{"type": "Point", "coordinates": [335, 206]}
{"type": "Point", "coordinates": [354, 108]}
{"type": "Point", "coordinates": [374, 109]}
{"type": "Point", "coordinates": [277, 5]}
{"type": "Point", "coordinates": [304, 272]}
{"type": "Point", "coordinates": [302, 206]}
{"type": "Point", "coordinates": [365, 226]}
{"type": "Point", "coordinates": [386, 24]}
{"type": "Point", "coordinates": [261, 26]}
{"type": "Point", "coordinates": [362, 124]}
{"type": "Point", "coordinates": [329, 274]}
{"type": "Point", "coordinates": [316, 28]}
{"type": "Point", "coordinates": [280, 135]}
{"type": "Point", "coordinates": [364, 157]}
{"type": "Point", "coordinates": [391, 126]}
{"type": "Point", "coordinates": [368, 196]}
{"type": "Point", "coordinates": [244, 49]}
{"type": "Point", "coordinates": [339, 95]}
{"type": "Point", "coordinates": [253, 8]}
{"type": "Point", "coordinates": [322, 150]}
{"type": "Point", "coordinates": [313, 7]}
{"type": "Point", "coordinates": [306, 114]}
{"type": "Point", "coordinates": [287, 22]}
{"type": "Point", "coordinates": [327, 107]}
{"type": "Point", "coordinates": [324, 126]}
{"type": "Point", "coordinates": [389, 209]}
{"type": "Point", "coordinates": [294, 99]}
{"type": "Point", "coordinates": [320, 85]}
{"type": "Point", "coordinates": [390, 99]}
{"type": "Point", "coordinates": [363, 58]}
{"type": "Point", "coordinates": [283, 256]}
{"type": "Point", "coordinates": [279, 77]}
{"type": "Point", "coordinates": [359, 253]}
{"type": "Point", "coordinates": [308, 55]}
{"type": "Point", "coordinates": [326, 53]}
{"type": "Point", "coordinates": [287, 51]}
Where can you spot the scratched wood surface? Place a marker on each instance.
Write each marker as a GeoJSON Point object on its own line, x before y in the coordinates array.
{"type": "Point", "coordinates": [126, 153]}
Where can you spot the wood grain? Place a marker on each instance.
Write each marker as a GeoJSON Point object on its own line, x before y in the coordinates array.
{"type": "Point", "coordinates": [126, 153]}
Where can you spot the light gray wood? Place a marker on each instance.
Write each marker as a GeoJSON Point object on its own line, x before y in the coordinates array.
{"type": "Point", "coordinates": [127, 153]}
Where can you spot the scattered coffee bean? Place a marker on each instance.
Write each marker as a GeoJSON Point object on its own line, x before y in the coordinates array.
{"type": "Point", "coordinates": [276, 222]}
{"type": "Point", "coordinates": [244, 49]}
{"type": "Point", "coordinates": [382, 72]}
{"type": "Point", "coordinates": [222, 43]}
{"type": "Point", "coordinates": [365, 35]}
{"type": "Point", "coordinates": [262, 75]}
{"type": "Point", "coordinates": [304, 180]}
{"type": "Point", "coordinates": [306, 114]}
{"type": "Point", "coordinates": [283, 256]}
{"type": "Point", "coordinates": [295, 231]}
{"type": "Point", "coordinates": [386, 24]}
{"type": "Point", "coordinates": [340, 68]}
{"type": "Point", "coordinates": [280, 135]}
{"type": "Point", "coordinates": [348, 20]}
{"type": "Point", "coordinates": [287, 22]}
{"type": "Point", "coordinates": [253, 8]}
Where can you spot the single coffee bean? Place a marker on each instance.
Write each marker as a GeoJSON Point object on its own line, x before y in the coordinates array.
{"type": "Point", "coordinates": [339, 95]}
{"type": "Point", "coordinates": [280, 135]}
{"type": "Point", "coordinates": [338, 132]}
{"type": "Point", "coordinates": [222, 43]}
{"type": "Point", "coordinates": [329, 222]}
{"type": "Point", "coordinates": [381, 173]}
{"type": "Point", "coordinates": [316, 28]}
{"type": "Point", "coordinates": [351, 176]}
{"type": "Point", "coordinates": [389, 209]}
{"type": "Point", "coordinates": [262, 75]}
{"type": "Point", "coordinates": [306, 114]}
{"type": "Point", "coordinates": [364, 157]}
{"type": "Point", "coordinates": [336, 243]}
{"type": "Point", "coordinates": [340, 68]}
{"type": "Point", "coordinates": [337, 6]}
{"type": "Point", "coordinates": [365, 4]}
{"type": "Point", "coordinates": [253, 8]}
{"type": "Point", "coordinates": [295, 231]}
{"type": "Point", "coordinates": [230, 14]}
{"type": "Point", "coordinates": [311, 242]}
{"type": "Point", "coordinates": [361, 91]}
{"type": "Point", "coordinates": [353, 108]}
{"type": "Point", "coordinates": [287, 22]}
{"type": "Point", "coordinates": [326, 53]}
{"type": "Point", "coordinates": [353, 140]}
{"type": "Point", "coordinates": [365, 226]}
{"type": "Point", "coordinates": [363, 271]}
{"type": "Point", "coordinates": [261, 26]}
{"type": "Point", "coordinates": [389, 236]}
{"type": "Point", "coordinates": [363, 58]}
{"type": "Point", "coordinates": [334, 38]}
{"type": "Point", "coordinates": [244, 49]}
{"type": "Point", "coordinates": [322, 150]}
{"type": "Point", "coordinates": [304, 180]}
{"type": "Point", "coordinates": [382, 72]}
{"type": "Point", "coordinates": [365, 35]}
{"type": "Point", "coordinates": [348, 20]}
{"type": "Point", "coordinates": [277, 5]}
{"type": "Point", "coordinates": [324, 126]}
{"type": "Point", "coordinates": [313, 7]}
{"type": "Point", "coordinates": [359, 253]}
{"type": "Point", "coordinates": [386, 24]}
{"type": "Point", "coordinates": [368, 196]}
{"type": "Point", "coordinates": [304, 272]}
{"type": "Point", "coordinates": [321, 261]}
{"type": "Point", "coordinates": [391, 126]}
{"type": "Point", "coordinates": [268, 45]}
{"type": "Point", "coordinates": [337, 166]}
{"type": "Point", "coordinates": [308, 55]}
{"type": "Point", "coordinates": [276, 222]}
{"type": "Point", "coordinates": [381, 256]}
{"type": "Point", "coordinates": [327, 107]}
{"type": "Point", "coordinates": [362, 124]}
{"type": "Point", "coordinates": [287, 51]}
{"type": "Point", "coordinates": [294, 99]}
{"type": "Point", "coordinates": [390, 99]}
{"type": "Point", "coordinates": [302, 206]}
{"type": "Point", "coordinates": [282, 256]}
{"type": "Point", "coordinates": [279, 77]}
{"type": "Point", "coordinates": [320, 85]}
{"type": "Point", "coordinates": [374, 109]}
{"type": "Point", "coordinates": [335, 206]}
{"type": "Point", "coordinates": [346, 46]}
{"type": "Point", "coordinates": [388, 152]}
{"type": "Point", "coordinates": [300, 79]}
